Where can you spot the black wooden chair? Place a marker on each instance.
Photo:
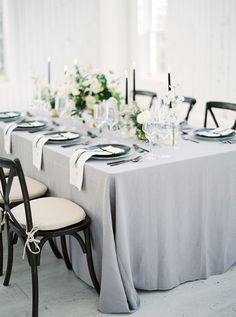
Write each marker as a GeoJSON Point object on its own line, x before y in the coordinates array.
{"type": "Point", "coordinates": [145, 93]}
{"type": "Point", "coordinates": [218, 105]}
{"type": "Point", "coordinates": [36, 189]}
{"type": "Point", "coordinates": [191, 101]}
{"type": "Point", "coordinates": [37, 221]}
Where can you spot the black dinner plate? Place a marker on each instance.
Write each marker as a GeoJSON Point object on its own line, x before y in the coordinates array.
{"type": "Point", "coordinates": [58, 137]}
{"type": "Point", "coordinates": [212, 136]}
{"type": "Point", "coordinates": [126, 149]}
{"type": "Point", "coordinates": [30, 124]}
{"type": "Point", "coordinates": [9, 115]}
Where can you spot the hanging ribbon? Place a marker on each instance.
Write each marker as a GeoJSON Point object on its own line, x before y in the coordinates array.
{"type": "Point", "coordinates": [31, 239]}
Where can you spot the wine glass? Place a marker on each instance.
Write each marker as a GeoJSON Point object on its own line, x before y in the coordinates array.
{"type": "Point", "coordinates": [99, 116]}
{"type": "Point", "coordinates": [112, 116]}
{"type": "Point", "coordinates": [149, 128]}
{"type": "Point", "coordinates": [164, 138]}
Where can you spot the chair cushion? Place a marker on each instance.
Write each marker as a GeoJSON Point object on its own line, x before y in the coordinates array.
{"type": "Point", "coordinates": [50, 213]}
{"type": "Point", "coordinates": [35, 189]}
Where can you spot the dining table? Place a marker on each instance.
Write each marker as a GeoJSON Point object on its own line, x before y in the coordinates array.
{"type": "Point", "coordinates": [155, 223]}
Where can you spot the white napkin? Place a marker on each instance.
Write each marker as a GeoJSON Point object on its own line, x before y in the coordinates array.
{"type": "Point", "coordinates": [37, 149]}
{"type": "Point", "coordinates": [7, 136]}
{"type": "Point", "coordinates": [216, 132]}
{"type": "Point", "coordinates": [79, 158]}
{"type": "Point", "coordinates": [64, 136]}
{"type": "Point", "coordinates": [223, 131]}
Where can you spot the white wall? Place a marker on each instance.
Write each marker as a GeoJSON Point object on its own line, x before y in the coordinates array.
{"type": "Point", "coordinates": [62, 29]}
{"type": "Point", "coordinates": [201, 50]}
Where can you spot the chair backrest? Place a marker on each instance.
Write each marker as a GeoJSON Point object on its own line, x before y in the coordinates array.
{"type": "Point", "coordinates": [191, 101]}
{"type": "Point", "coordinates": [15, 170]}
{"type": "Point", "coordinates": [218, 105]}
{"type": "Point", "coordinates": [146, 93]}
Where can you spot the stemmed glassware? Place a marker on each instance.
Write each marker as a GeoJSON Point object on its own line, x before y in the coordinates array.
{"type": "Point", "coordinates": [99, 116]}
{"type": "Point", "coordinates": [149, 128]}
{"type": "Point", "coordinates": [112, 115]}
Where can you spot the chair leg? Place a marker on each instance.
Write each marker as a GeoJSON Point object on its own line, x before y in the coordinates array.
{"type": "Point", "coordinates": [54, 249]}
{"type": "Point", "coordinates": [35, 286]}
{"type": "Point", "coordinates": [1, 254]}
{"type": "Point", "coordinates": [65, 253]}
{"type": "Point", "coordinates": [90, 260]}
{"type": "Point", "coordinates": [9, 258]}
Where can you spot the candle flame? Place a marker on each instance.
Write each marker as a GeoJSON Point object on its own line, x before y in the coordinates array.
{"type": "Point", "coordinates": [49, 59]}
{"type": "Point", "coordinates": [168, 68]}
{"type": "Point", "coordinates": [134, 65]}
{"type": "Point", "coordinates": [126, 74]}
{"type": "Point", "coordinates": [75, 62]}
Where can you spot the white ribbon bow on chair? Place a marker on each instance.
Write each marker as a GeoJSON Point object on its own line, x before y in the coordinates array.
{"type": "Point", "coordinates": [31, 239]}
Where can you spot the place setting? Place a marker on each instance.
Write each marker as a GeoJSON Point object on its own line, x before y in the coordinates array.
{"type": "Point", "coordinates": [21, 125]}
{"type": "Point", "coordinates": [7, 116]}
{"type": "Point", "coordinates": [223, 135]}
{"type": "Point", "coordinates": [214, 135]}
{"type": "Point", "coordinates": [116, 154]}
{"type": "Point", "coordinates": [52, 138]}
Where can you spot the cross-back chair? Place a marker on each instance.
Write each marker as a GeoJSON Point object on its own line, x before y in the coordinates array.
{"type": "Point", "coordinates": [36, 190]}
{"type": "Point", "coordinates": [145, 93]}
{"type": "Point", "coordinates": [37, 221]}
{"type": "Point", "coordinates": [191, 101]}
{"type": "Point", "coordinates": [218, 105]}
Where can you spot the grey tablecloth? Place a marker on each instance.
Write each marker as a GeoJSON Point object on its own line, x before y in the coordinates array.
{"type": "Point", "coordinates": [155, 224]}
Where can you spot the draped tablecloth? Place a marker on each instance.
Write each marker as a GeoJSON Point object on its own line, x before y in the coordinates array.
{"type": "Point", "coordinates": [155, 224]}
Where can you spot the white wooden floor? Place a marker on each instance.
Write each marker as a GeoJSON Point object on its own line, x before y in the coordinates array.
{"type": "Point", "coordinates": [63, 295]}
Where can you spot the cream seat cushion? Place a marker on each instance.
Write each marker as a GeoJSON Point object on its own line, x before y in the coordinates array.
{"type": "Point", "coordinates": [35, 189]}
{"type": "Point", "coordinates": [50, 213]}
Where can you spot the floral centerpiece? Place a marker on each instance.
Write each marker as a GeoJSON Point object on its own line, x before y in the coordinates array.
{"type": "Point", "coordinates": [170, 101]}
{"type": "Point", "coordinates": [136, 115]}
{"type": "Point", "coordinates": [84, 88]}
{"type": "Point", "coordinates": [164, 110]}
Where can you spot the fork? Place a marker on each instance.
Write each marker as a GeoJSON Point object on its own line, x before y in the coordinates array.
{"type": "Point", "coordinates": [186, 137]}
{"type": "Point", "coordinates": [135, 160]}
{"type": "Point", "coordinates": [139, 148]}
{"type": "Point", "coordinates": [229, 141]}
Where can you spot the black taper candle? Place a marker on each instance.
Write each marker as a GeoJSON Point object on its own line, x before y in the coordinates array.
{"type": "Point", "coordinates": [169, 82]}
{"type": "Point", "coordinates": [126, 89]}
{"type": "Point", "coordinates": [134, 83]}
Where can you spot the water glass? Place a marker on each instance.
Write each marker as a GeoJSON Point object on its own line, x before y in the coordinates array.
{"type": "Point", "coordinates": [99, 116]}
{"type": "Point", "coordinates": [149, 129]}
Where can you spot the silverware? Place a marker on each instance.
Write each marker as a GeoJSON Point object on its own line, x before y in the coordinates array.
{"type": "Point", "coordinates": [41, 130]}
{"type": "Point", "coordinates": [55, 123]}
{"type": "Point", "coordinates": [229, 141]}
{"type": "Point", "coordinates": [135, 159]}
{"type": "Point", "coordinates": [188, 138]}
{"type": "Point", "coordinates": [139, 148]}
{"type": "Point", "coordinates": [74, 144]}
{"type": "Point", "coordinates": [92, 135]}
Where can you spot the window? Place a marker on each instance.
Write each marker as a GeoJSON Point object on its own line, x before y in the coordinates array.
{"type": "Point", "coordinates": [151, 24]}
{"type": "Point", "coordinates": [2, 57]}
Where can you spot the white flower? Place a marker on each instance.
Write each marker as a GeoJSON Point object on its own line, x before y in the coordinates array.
{"type": "Point", "coordinates": [90, 101]}
{"type": "Point", "coordinates": [144, 117]}
{"type": "Point", "coordinates": [95, 86]}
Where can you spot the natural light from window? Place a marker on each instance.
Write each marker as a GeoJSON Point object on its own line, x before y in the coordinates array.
{"type": "Point", "coordinates": [151, 25]}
